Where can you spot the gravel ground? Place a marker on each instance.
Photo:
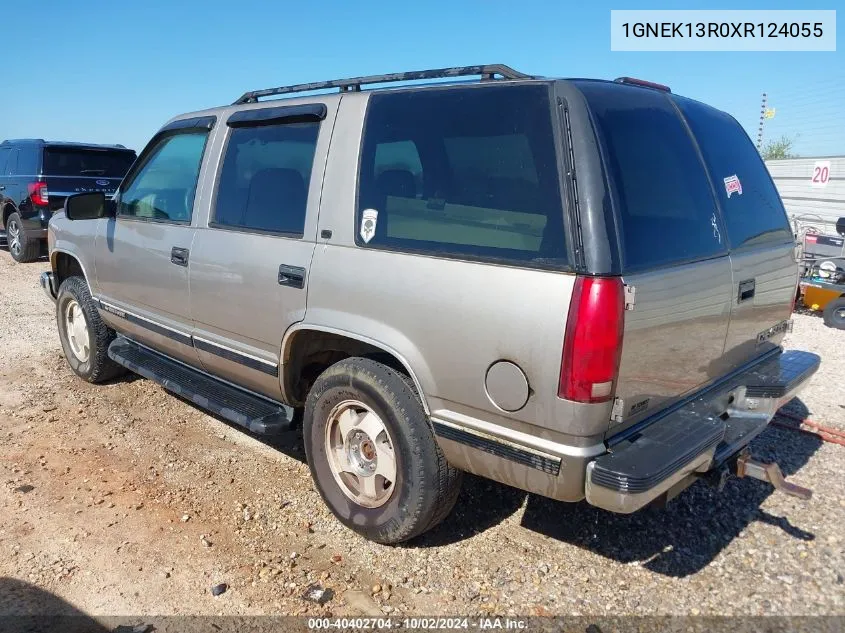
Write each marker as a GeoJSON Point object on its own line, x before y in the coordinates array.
{"type": "Point", "coordinates": [124, 499]}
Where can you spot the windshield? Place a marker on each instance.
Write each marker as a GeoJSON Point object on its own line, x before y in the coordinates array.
{"type": "Point", "coordinates": [87, 162]}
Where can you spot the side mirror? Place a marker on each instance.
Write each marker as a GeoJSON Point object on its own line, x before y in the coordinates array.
{"type": "Point", "coordinates": [86, 206]}
{"type": "Point", "coordinates": [840, 226]}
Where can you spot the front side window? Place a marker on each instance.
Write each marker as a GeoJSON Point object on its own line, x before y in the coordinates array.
{"type": "Point", "coordinates": [663, 194]}
{"type": "Point", "coordinates": [462, 172]}
{"type": "Point", "coordinates": [265, 177]}
{"type": "Point", "coordinates": [164, 186]}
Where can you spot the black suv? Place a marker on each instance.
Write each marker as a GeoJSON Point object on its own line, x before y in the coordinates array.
{"type": "Point", "coordinates": [37, 175]}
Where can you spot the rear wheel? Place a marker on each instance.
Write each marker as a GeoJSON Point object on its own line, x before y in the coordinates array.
{"type": "Point", "coordinates": [84, 335]}
{"type": "Point", "coordinates": [834, 314]}
{"type": "Point", "coordinates": [373, 454]}
{"type": "Point", "coordinates": [22, 248]}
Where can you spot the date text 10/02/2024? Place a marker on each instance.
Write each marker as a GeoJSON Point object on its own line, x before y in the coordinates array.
{"type": "Point", "coordinates": [415, 623]}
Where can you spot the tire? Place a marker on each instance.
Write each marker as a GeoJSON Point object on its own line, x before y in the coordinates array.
{"type": "Point", "coordinates": [95, 366]}
{"type": "Point", "coordinates": [425, 487]}
{"type": "Point", "coordinates": [23, 249]}
{"type": "Point", "coordinates": [834, 314]}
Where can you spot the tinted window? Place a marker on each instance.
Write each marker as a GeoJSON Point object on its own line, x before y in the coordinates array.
{"type": "Point", "coordinates": [265, 177]}
{"type": "Point", "coordinates": [164, 186]}
{"type": "Point", "coordinates": [28, 160]}
{"type": "Point", "coordinates": [12, 162]}
{"type": "Point", "coordinates": [462, 171]}
{"type": "Point", "coordinates": [82, 162]}
{"type": "Point", "coordinates": [664, 198]}
{"type": "Point", "coordinates": [4, 157]}
{"type": "Point", "coordinates": [750, 203]}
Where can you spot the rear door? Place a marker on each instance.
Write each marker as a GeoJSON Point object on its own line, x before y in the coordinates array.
{"type": "Point", "coordinates": [68, 169]}
{"type": "Point", "coordinates": [250, 264]}
{"type": "Point", "coordinates": [674, 253]}
{"type": "Point", "coordinates": [762, 246]}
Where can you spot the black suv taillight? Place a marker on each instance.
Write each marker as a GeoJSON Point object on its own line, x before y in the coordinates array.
{"type": "Point", "coordinates": [38, 193]}
{"type": "Point", "coordinates": [593, 344]}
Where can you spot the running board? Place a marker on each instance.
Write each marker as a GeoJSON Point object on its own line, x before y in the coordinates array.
{"type": "Point", "coordinates": [235, 405]}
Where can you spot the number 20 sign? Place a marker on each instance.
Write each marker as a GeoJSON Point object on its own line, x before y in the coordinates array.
{"type": "Point", "coordinates": [821, 173]}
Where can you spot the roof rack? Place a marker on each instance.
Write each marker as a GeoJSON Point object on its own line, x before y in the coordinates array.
{"type": "Point", "coordinates": [354, 84]}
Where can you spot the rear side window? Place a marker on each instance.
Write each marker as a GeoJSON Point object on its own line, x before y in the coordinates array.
{"type": "Point", "coordinates": [663, 195]}
{"type": "Point", "coordinates": [12, 163]}
{"type": "Point", "coordinates": [59, 161]}
{"type": "Point", "coordinates": [4, 158]}
{"type": "Point", "coordinates": [265, 177]}
{"type": "Point", "coordinates": [462, 172]}
{"type": "Point", "coordinates": [752, 209]}
{"type": "Point", "coordinates": [28, 161]}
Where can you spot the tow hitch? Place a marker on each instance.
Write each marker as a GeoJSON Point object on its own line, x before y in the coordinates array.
{"type": "Point", "coordinates": [746, 466]}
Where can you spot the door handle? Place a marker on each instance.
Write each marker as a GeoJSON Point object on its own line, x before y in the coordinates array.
{"type": "Point", "coordinates": [179, 256]}
{"type": "Point", "coordinates": [292, 276]}
{"type": "Point", "coordinates": [2, 187]}
{"type": "Point", "coordinates": [746, 290]}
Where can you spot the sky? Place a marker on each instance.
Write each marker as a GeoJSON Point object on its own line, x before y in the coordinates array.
{"type": "Point", "coordinates": [114, 72]}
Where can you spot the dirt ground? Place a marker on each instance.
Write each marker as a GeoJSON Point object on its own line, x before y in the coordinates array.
{"type": "Point", "coordinates": [122, 499]}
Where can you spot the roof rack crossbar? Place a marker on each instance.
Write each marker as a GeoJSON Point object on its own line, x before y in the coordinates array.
{"type": "Point", "coordinates": [354, 84]}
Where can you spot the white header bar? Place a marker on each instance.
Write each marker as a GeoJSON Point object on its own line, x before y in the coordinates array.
{"type": "Point", "coordinates": [722, 30]}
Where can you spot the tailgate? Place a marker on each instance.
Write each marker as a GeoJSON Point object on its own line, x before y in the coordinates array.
{"type": "Point", "coordinates": [765, 273]}
{"type": "Point", "coordinates": [674, 253]}
{"type": "Point", "coordinates": [60, 187]}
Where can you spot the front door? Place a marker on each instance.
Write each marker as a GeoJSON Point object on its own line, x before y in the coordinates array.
{"type": "Point", "coordinates": [249, 265]}
{"type": "Point", "coordinates": [142, 254]}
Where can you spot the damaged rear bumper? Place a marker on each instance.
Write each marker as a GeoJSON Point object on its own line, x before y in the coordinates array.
{"type": "Point", "coordinates": [663, 455]}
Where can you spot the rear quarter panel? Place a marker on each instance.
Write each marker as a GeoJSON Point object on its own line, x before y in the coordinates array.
{"type": "Point", "coordinates": [448, 319]}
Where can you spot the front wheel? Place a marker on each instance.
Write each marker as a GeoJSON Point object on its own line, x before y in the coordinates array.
{"type": "Point", "coordinates": [84, 335]}
{"type": "Point", "coordinates": [372, 452]}
{"type": "Point", "coordinates": [834, 314]}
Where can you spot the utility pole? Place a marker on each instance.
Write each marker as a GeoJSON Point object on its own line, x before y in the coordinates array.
{"type": "Point", "coordinates": [762, 118]}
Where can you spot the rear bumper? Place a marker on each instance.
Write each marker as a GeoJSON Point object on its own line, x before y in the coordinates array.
{"type": "Point", "coordinates": [48, 284]}
{"type": "Point", "coordinates": [664, 454]}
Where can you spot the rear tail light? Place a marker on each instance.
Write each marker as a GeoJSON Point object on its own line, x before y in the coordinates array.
{"type": "Point", "coordinates": [38, 193]}
{"type": "Point", "coordinates": [593, 344]}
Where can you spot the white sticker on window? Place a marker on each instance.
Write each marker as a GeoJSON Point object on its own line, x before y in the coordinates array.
{"type": "Point", "coordinates": [716, 233]}
{"type": "Point", "coordinates": [732, 185]}
{"type": "Point", "coordinates": [368, 224]}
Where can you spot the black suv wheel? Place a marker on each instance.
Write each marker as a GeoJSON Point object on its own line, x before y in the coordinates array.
{"type": "Point", "coordinates": [22, 248]}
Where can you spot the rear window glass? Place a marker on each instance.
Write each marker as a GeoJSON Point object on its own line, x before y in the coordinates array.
{"type": "Point", "coordinates": [664, 198]}
{"type": "Point", "coordinates": [462, 172]}
{"type": "Point", "coordinates": [81, 162]}
{"type": "Point", "coordinates": [752, 209]}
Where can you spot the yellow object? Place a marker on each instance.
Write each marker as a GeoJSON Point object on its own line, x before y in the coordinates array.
{"type": "Point", "coordinates": [770, 113]}
{"type": "Point", "coordinates": [817, 298]}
